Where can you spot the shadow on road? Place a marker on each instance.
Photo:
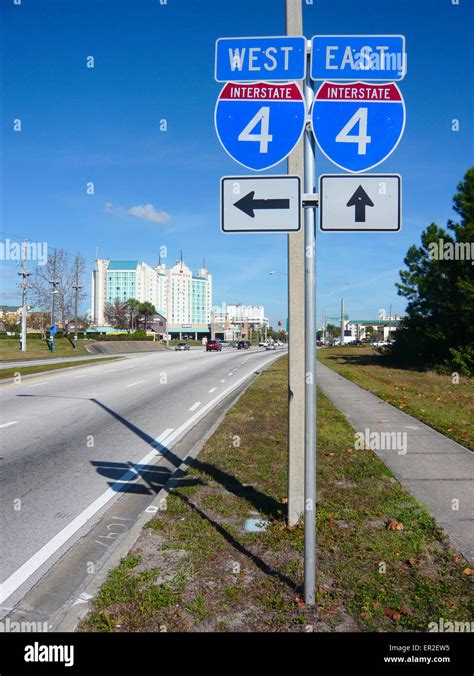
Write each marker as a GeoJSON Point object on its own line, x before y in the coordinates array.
{"type": "Point", "coordinates": [124, 477]}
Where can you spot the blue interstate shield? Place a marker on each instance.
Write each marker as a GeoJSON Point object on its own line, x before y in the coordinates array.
{"type": "Point", "coordinates": [358, 125]}
{"type": "Point", "coordinates": [259, 124]}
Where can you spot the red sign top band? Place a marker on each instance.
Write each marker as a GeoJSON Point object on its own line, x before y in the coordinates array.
{"type": "Point", "coordinates": [358, 91]}
{"type": "Point", "coordinates": [261, 91]}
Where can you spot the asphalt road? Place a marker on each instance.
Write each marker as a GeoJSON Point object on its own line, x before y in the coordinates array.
{"type": "Point", "coordinates": [67, 437]}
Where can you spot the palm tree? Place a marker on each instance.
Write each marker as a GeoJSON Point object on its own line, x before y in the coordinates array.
{"type": "Point", "coordinates": [132, 305]}
{"type": "Point", "coordinates": [146, 310]}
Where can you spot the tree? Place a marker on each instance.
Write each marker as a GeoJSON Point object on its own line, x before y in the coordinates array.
{"type": "Point", "coordinates": [369, 333]}
{"type": "Point", "coordinates": [146, 310]}
{"type": "Point", "coordinates": [132, 305]}
{"type": "Point", "coordinates": [116, 314]}
{"type": "Point", "coordinates": [60, 268]}
{"type": "Point", "coordinates": [38, 321]}
{"type": "Point", "coordinates": [333, 331]}
{"type": "Point", "coordinates": [439, 286]}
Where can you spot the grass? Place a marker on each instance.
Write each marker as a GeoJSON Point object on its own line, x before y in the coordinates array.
{"type": "Point", "coordinates": [430, 397]}
{"type": "Point", "coordinates": [219, 577]}
{"type": "Point", "coordinates": [36, 348]}
{"type": "Point", "coordinates": [41, 368]}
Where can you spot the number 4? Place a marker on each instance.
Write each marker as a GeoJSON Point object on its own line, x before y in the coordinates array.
{"type": "Point", "coordinates": [360, 117]}
{"type": "Point", "coordinates": [262, 116]}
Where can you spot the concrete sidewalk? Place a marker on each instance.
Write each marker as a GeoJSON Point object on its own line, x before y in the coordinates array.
{"type": "Point", "coordinates": [435, 469]}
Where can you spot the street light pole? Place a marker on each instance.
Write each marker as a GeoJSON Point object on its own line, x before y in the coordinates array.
{"type": "Point", "coordinates": [342, 322]}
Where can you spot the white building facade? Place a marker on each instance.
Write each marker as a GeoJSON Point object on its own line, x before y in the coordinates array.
{"type": "Point", "coordinates": [254, 315]}
{"type": "Point", "coordinates": [184, 299]}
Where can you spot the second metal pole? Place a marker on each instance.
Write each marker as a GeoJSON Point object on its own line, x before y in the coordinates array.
{"type": "Point", "coordinates": [310, 357]}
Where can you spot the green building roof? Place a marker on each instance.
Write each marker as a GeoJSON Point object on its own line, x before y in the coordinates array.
{"type": "Point", "coordinates": [123, 265]}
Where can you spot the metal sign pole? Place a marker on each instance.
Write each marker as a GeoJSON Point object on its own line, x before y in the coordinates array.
{"type": "Point", "coordinates": [310, 353]}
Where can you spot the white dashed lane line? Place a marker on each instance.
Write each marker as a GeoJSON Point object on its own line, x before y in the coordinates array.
{"type": "Point", "coordinates": [8, 424]}
{"type": "Point", "coordinates": [139, 382]}
{"type": "Point", "coordinates": [223, 381]}
{"type": "Point", "coordinates": [213, 389]}
{"type": "Point", "coordinates": [195, 406]}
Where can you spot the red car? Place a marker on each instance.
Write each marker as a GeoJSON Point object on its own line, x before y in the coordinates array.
{"type": "Point", "coordinates": [213, 346]}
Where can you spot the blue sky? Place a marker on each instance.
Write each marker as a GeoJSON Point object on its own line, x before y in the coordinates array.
{"type": "Point", "coordinates": [156, 62]}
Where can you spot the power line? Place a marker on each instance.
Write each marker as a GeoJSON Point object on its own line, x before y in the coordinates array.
{"type": "Point", "coordinates": [54, 248]}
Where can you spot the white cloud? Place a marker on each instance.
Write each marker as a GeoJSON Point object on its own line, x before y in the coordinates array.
{"type": "Point", "coordinates": [110, 209]}
{"type": "Point", "coordinates": [149, 213]}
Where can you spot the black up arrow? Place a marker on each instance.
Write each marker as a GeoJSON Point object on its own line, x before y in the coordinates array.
{"type": "Point", "coordinates": [360, 200]}
{"type": "Point", "coordinates": [247, 204]}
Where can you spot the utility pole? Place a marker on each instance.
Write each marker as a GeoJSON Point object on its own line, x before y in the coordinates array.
{"type": "Point", "coordinates": [390, 323]}
{"type": "Point", "coordinates": [53, 281]}
{"type": "Point", "coordinates": [24, 274]}
{"type": "Point", "coordinates": [296, 326]}
{"type": "Point", "coordinates": [342, 321]}
{"type": "Point", "coordinates": [76, 288]}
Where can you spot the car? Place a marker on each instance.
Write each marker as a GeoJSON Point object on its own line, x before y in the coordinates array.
{"type": "Point", "coordinates": [271, 346]}
{"type": "Point", "coordinates": [243, 345]}
{"type": "Point", "coordinates": [263, 343]}
{"type": "Point", "coordinates": [213, 346]}
{"type": "Point", "coordinates": [181, 346]}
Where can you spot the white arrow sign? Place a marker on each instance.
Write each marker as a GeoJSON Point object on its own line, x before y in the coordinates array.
{"type": "Point", "coordinates": [260, 203]}
{"type": "Point", "coordinates": [360, 202]}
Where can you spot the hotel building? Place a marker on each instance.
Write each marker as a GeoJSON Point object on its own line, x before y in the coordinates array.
{"type": "Point", "coordinates": [183, 298]}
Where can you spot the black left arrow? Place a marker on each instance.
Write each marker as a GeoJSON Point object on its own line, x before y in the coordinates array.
{"type": "Point", "coordinates": [248, 204]}
{"type": "Point", "coordinates": [360, 200]}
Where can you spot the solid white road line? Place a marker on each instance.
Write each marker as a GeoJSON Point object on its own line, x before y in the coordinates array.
{"type": "Point", "coordinates": [139, 382]}
{"type": "Point", "coordinates": [164, 434]}
{"type": "Point", "coordinates": [38, 384]}
{"type": "Point", "coordinates": [20, 576]}
{"type": "Point", "coordinates": [16, 579]}
{"type": "Point", "coordinates": [213, 389]}
{"type": "Point", "coordinates": [195, 406]}
{"type": "Point", "coordinates": [13, 422]}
